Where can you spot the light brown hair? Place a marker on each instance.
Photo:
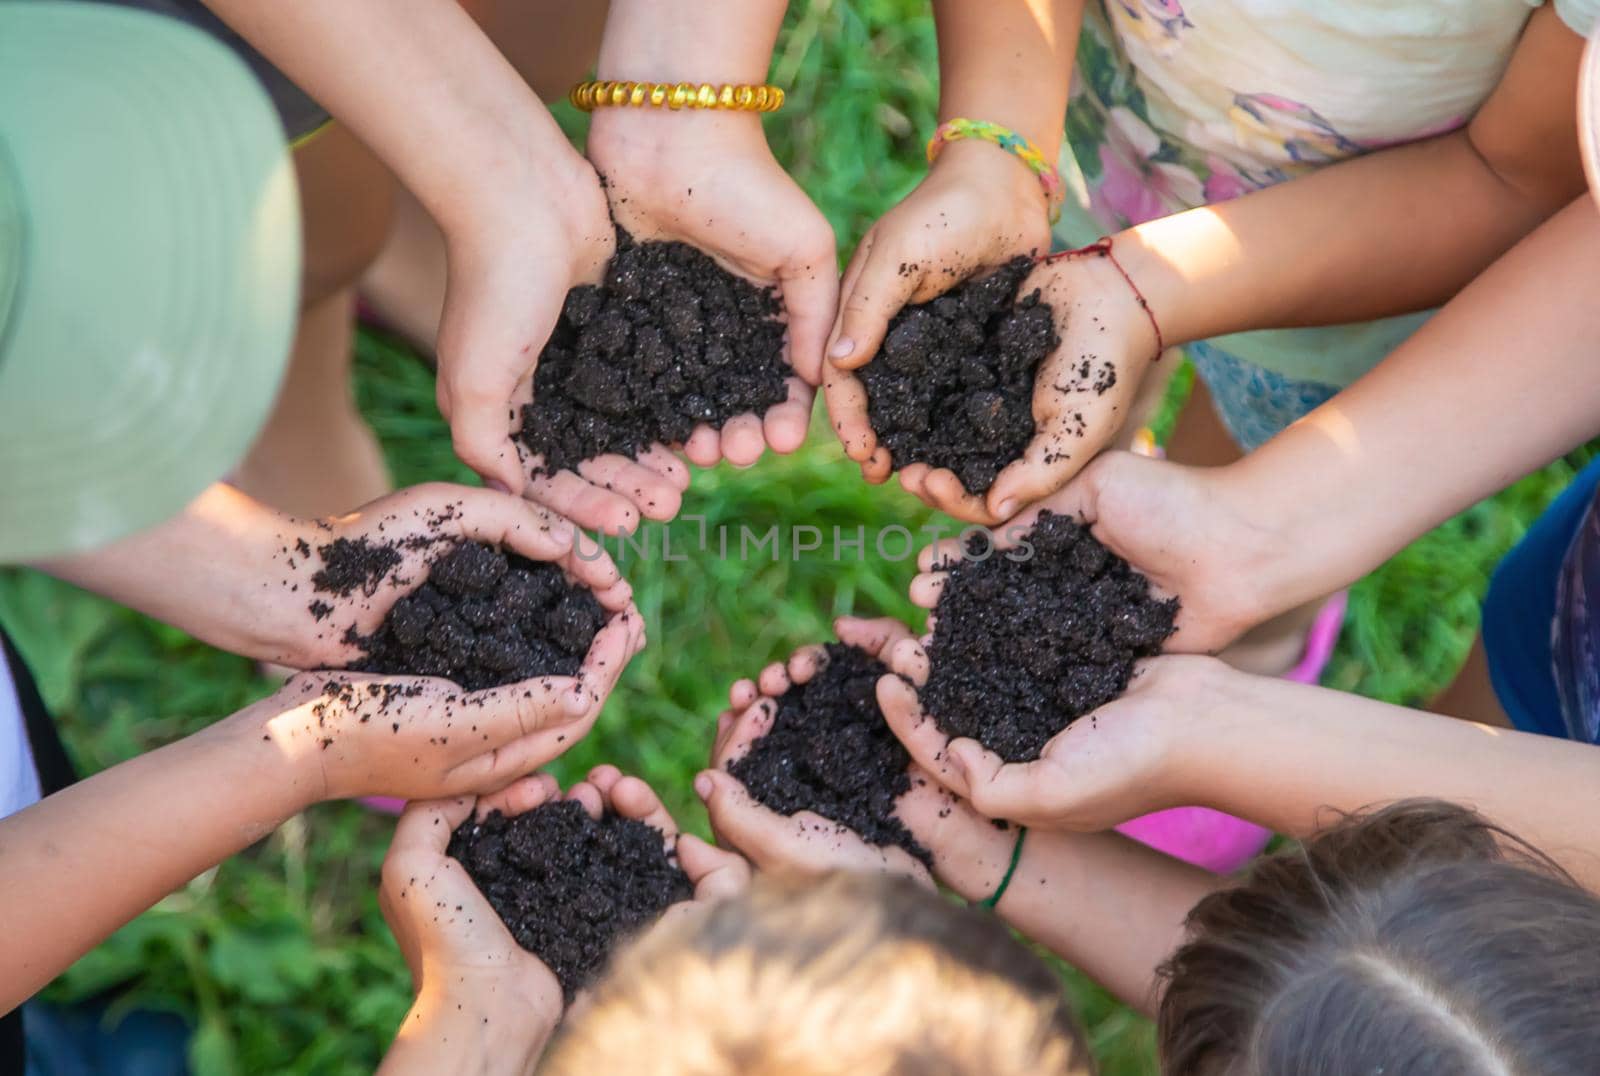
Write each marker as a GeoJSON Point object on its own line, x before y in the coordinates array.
{"type": "Point", "coordinates": [852, 974]}
{"type": "Point", "coordinates": [1417, 939]}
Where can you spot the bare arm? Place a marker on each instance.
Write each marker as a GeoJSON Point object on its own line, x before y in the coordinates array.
{"type": "Point", "coordinates": [241, 576]}
{"type": "Point", "coordinates": [109, 847]}
{"type": "Point", "coordinates": [1394, 231]}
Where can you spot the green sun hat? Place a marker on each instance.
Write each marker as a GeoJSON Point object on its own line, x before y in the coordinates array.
{"type": "Point", "coordinates": [149, 270]}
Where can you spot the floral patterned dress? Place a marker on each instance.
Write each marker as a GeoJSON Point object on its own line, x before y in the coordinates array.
{"type": "Point", "coordinates": [1183, 103]}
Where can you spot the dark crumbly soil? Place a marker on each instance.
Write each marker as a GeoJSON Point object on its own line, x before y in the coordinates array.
{"type": "Point", "coordinates": [830, 751]}
{"type": "Point", "coordinates": [569, 887]}
{"type": "Point", "coordinates": [349, 564]}
{"type": "Point", "coordinates": [1021, 649]}
{"type": "Point", "coordinates": [953, 384]}
{"type": "Point", "coordinates": [669, 340]}
{"type": "Point", "coordinates": [484, 618]}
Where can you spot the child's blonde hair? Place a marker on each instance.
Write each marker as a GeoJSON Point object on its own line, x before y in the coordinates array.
{"type": "Point", "coordinates": [852, 974]}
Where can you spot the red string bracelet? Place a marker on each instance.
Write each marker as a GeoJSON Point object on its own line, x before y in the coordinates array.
{"type": "Point", "coordinates": [1102, 248]}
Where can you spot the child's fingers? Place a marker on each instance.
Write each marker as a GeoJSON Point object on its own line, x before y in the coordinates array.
{"type": "Point", "coordinates": [474, 397]}
{"type": "Point", "coordinates": [522, 756]}
{"type": "Point", "coordinates": [608, 656]}
{"type": "Point", "coordinates": [661, 460]}
{"type": "Point", "coordinates": [704, 447]}
{"type": "Point", "coordinates": [908, 658]}
{"type": "Point", "coordinates": [926, 588]}
{"type": "Point", "coordinates": [717, 873]}
{"type": "Point", "coordinates": [588, 564]}
{"type": "Point", "coordinates": [744, 730]}
{"type": "Point", "coordinates": [520, 796]}
{"type": "Point", "coordinates": [874, 636]}
{"type": "Point", "coordinates": [587, 505]}
{"type": "Point", "coordinates": [785, 425]}
{"type": "Point", "coordinates": [738, 820]}
{"type": "Point", "coordinates": [743, 694]}
{"type": "Point", "coordinates": [774, 680]}
{"type": "Point", "coordinates": [846, 399]}
{"type": "Point", "coordinates": [718, 741]}
{"type": "Point", "coordinates": [912, 477]}
{"type": "Point", "coordinates": [426, 825]}
{"type": "Point", "coordinates": [942, 489]}
{"type": "Point", "coordinates": [810, 286]}
{"type": "Point", "coordinates": [878, 467]}
{"type": "Point", "coordinates": [589, 798]}
{"type": "Point", "coordinates": [652, 494]}
{"type": "Point", "coordinates": [1025, 792]}
{"type": "Point", "coordinates": [924, 741]}
{"type": "Point", "coordinates": [876, 295]}
{"type": "Point", "coordinates": [945, 553]}
{"type": "Point", "coordinates": [806, 663]}
{"type": "Point", "coordinates": [742, 440]}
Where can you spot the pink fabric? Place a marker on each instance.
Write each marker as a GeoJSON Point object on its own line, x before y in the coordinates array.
{"type": "Point", "coordinates": [1220, 842]}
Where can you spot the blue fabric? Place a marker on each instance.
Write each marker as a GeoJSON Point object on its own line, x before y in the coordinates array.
{"type": "Point", "coordinates": [79, 1040]}
{"type": "Point", "coordinates": [1254, 403]}
{"type": "Point", "coordinates": [1520, 610]}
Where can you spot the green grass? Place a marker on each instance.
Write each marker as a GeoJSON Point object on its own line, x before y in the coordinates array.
{"type": "Point", "coordinates": [280, 955]}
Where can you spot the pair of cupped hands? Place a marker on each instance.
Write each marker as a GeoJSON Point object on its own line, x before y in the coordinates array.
{"type": "Point", "coordinates": [710, 180]}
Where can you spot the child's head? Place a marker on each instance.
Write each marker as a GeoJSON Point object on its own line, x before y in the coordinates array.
{"type": "Point", "coordinates": [852, 974]}
{"type": "Point", "coordinates": [1417, 939]}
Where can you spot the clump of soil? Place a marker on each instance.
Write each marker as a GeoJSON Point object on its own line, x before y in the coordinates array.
{"type": "Point", "coordinates": [566, 886]}
{"type": "Point", "coordinates": [349, 564]}
{"type": "Point", "coordinates": [668, 341]}
{"type": "Point", "coordinates": [952, 385]}
{"type": "Point", "coordinates": [485, 618]}
{"type": "Point", "coordinates": [1022, 648]}
{"type": "Point", "coordinates": [830, 751]}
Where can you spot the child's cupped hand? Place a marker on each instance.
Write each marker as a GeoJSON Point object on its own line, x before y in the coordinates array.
{"type": "Point", "coordinates": [708, 179]}
{"type": "Point", "coordinates": [308, 626]}
{"type": "Point", "coordinates": [950, 229]}
{"type": "Point", "coordinates": [455, 945]}
{"type": "Point", "coordinates": [510, 265]}
{"type": "Point", "coordinates": [349, 734]}
{"type": "Point", "coordinates": [1119, 762]}
{"type": "Point", "coordinates": [969, 854]}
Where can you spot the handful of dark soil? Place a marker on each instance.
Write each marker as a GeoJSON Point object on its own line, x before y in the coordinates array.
{"type": "Point", "coordinates": [1022, 648]}
{"type": "Point", "coordinates": [830, 751]}
{"type": "Point", "coordinates": [566, 886]}
{"type": "Point", "coordinates": [953, 384]}
{"type": "Point", "coordinates": [668, 341]}
{"type": "Point", "coordinates": [485, 618]}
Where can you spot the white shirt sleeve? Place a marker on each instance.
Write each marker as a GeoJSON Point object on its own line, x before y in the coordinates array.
{"type": "Point", "coordinates": [1581, 15]}
{"type": "Point", "coordinates": [19, 778]}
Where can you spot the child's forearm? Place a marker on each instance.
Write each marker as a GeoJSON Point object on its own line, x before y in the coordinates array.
{"type": "Point", "coordinates": [1284, 754]}
{"type": "Point", "coordinates": [1495, 386]}
{"type": "Point", "coordinates": [216, 571]}
{"type": "Point", "coordinates": [715, 43]}
{"type": "Point", "coordinates": [86, 860]}
{"type": "Point", "coordinates": [1397, 230]}
{"type": "Point", "coordinates": [1009, 63]}
{"type": "Point", "coordinates": [1107, 905]}
{"type": "Point", "coordinates": [423, 86]}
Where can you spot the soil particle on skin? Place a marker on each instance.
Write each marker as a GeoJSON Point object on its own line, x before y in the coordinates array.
{"type": "Point", "coordinates": [829, 751]}
{"type": "Point", "coordinates": [1022, 648]}
{"type": "Point", "coordinates": [669, 340]}
{"type": "Point", "coordinates": [568, 887]}
{"type": "Point", "coordinates": [485, 618]}
{"type": "Point", "coordinates": [350, 564]}
{"type": "Point", "coordinates": [952, 385]}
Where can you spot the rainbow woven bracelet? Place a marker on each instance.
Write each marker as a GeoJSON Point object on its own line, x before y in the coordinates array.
{"type": "Point", "coordinates": [1013, 143]}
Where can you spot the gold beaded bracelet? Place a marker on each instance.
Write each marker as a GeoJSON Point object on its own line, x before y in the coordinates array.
{"type": "Point", "coordinates": [603, 93]}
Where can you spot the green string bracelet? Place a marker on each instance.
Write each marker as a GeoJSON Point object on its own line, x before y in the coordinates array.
{"type": "Point", "coordinates": [1016, 857]}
